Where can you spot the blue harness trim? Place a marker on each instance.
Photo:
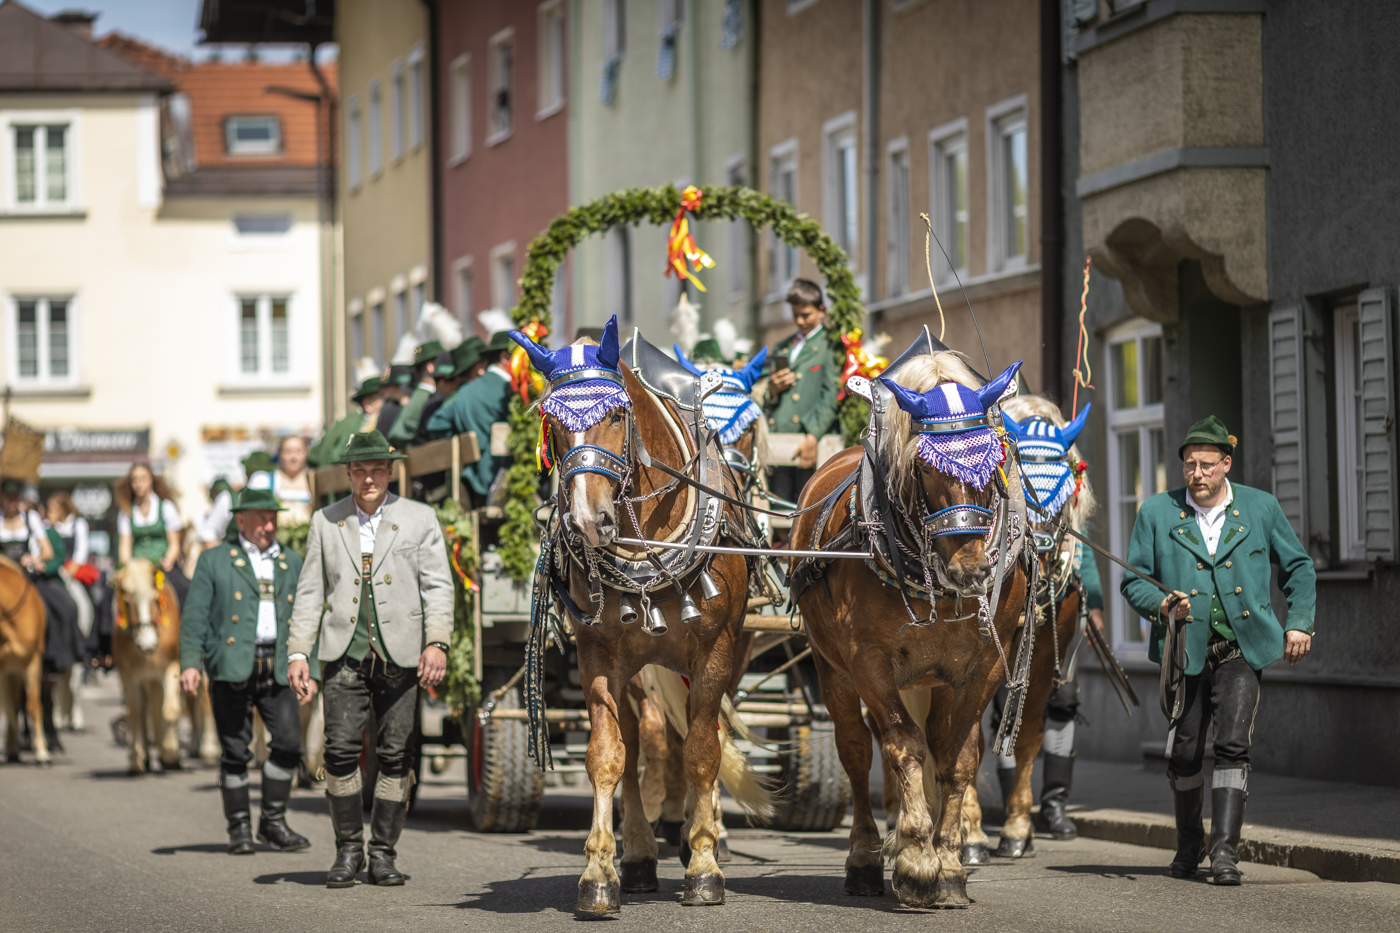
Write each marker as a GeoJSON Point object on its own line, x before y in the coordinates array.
{"type": "Point", "coordinates": [588, 458]}
{"type": "Point", "coordinates": [960, 520]}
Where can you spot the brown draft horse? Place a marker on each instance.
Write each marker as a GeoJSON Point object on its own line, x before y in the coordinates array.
{"type": "Point", "coordinates": [146, 651]}
{"type": "Point", "coordinates": [865, 653]}
{"type": "Point", "coordinates": [23, 627]}
{"type": "Point", "coordinates": [611, 653]}
{"type": "Point", "coordinates": [1017, 832]}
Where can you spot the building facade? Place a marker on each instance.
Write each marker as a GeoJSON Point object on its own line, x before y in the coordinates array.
{"type": "Point", "coordinates": [1234, 202]}
{"type": "Point", "coordinates": [385, 174]}
{"type": "Point", "coordinates": [663, 94]}
{"type": "Point", "coordinates": [162, 295]}
{"type": "Point", "coordinates": [503, 111]}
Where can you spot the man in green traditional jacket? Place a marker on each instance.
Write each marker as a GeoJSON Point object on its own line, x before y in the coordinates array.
{"type": "Point", "coordinates": [235, 626]}
{"type": "Point", "coordinates": [368, 400]}
{"type": "Point", "coordinates": [1213, 542]}
{"type": "Point", "coordinates": [424, 385]}
{"type": "Point", "coordinates": [475, 407]}
{"type": "Point", "coordinates": [801, 397]}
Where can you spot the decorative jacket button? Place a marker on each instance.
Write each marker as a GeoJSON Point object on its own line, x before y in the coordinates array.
{"type": "Point", "coordinates": [796, 397]}
{"type": "Point", "coordinates": [357, 581]}
{"type": "Point", "coordinates": [352, 620]}
{"type": "Point", "coordinates": [230, 639]}
{"type": "Point", "coordinates": [796, 420]}
{"type": "Point", "coordinates": [1181, 531]}
{"type": "Point", "coordinates": [1246, 613]}
{"type": "Point", "coordinates": [341, 523]}
{"type": "Point", "coordinates": [235, 618]}
{"type": "Point", "coordinates": [233, 552]}
{"type": "Point", "coordinates": [1229, 563]}
{"type": "Point", "coordinates": [354, 599]}
{"type": "Point", "coordinates": [238, 594]}
{"type": "Point", "coordinates": [1183, 514]}
{"type": "Point", "coordinates": [1190, 619]}
{"type": "Point", "coordinates": [1200, 566]}
{"type": "Point", "coordinates": [388, 579]}
{"type": "Point", "coordinates": [1194, 593]}
{"type": "Point", "coordinates": [1238, 591]}
{"type": "Point", "coordinates": [396, 527]}
{"type": "Point", "coordinates": [240, 563]}
{"type": "Point", "coordinates": [282, 565]}
{"type": "Point", "coordinates": [289, 597]}
{"type": "Point", "coordinates": [772, 421]}
{"type": "Point", "coordinates": [1236, 513]}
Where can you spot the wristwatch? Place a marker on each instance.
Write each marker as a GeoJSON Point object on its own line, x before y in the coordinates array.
{"type": "Point", "coordinates": [446, 648]}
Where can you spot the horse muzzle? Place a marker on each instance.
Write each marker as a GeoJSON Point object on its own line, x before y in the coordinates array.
{"type": "Point", "coordinates": [596, 530]}
{"type": "Point", "coordinates": [147, 638]}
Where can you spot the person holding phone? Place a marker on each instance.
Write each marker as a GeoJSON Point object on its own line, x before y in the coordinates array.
{"type": "Point", "coordinates": [802, 387]}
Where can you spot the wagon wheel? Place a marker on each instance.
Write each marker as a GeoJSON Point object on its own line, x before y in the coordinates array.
{"type": "Point", "coordinates": [504, 788]}
{"type": "Point", "coordinates": [815, 791]}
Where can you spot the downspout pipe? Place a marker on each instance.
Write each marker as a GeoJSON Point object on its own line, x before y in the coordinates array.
{"type": "Point", "coordinates": [870, 14]}
{"type": "Point", "coordinates": [435, 205]}
{"type": "Point", "coordinates": [333, 350]}
{"type": "Point", "coordinates": [1052, 203]}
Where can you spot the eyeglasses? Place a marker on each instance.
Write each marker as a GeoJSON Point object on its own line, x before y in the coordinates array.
{"type": "Point", "coordinates": [1205, 469]}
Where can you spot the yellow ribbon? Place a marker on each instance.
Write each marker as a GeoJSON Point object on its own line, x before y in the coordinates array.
{"type": "Point", "coordinates": [681, 246]}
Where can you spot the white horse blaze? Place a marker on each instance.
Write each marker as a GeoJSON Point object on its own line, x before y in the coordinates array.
{"type": "Point", "coordinates": [584, 519]}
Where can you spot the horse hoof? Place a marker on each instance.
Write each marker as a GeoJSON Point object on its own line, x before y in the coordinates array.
{"type": "Point", "coordinates": [685, 853]}
{"type": "Point", "coordinates": [722, 850]}
{"type": "Point", "coordinates": [598, 899]}
{"type": "Point", "coordinates": [170, 765]}
{"type": "Point", "coordinates": [135, 772]}
{"type": "Point", "coordinates": [916, 892]}
{"type": "Point", "coordinates": [703, 891]}
{"type": "Point", "coordinates": [671, 831]}
{"type": "Point", "coordinates": [976, 855]}
{"type": "Point", "coordinates": [12, 758]}
{"type": "Point", "coordinates": [951, 892]}
{"type": "Point", "coordinates": [1015, 848]}
{"type": "Point", "coordinates": [865, 880]}
{"type": "Point", "coordinates": [638, 877]}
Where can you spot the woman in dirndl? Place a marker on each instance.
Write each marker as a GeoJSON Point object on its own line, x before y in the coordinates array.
{"type": "Point", "coordinates": [290, 482]}
{"type": "Point", "coordinates": [149, 525]}
{"type": "Point", "coordinates": [24, 540]}
{"type": "Point", "coordinates": [89, 591]}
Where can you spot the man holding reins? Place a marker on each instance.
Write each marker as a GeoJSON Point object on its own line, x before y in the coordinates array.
{"type": "Point", "coordinates": [1213, 542]}
{"type": "Point", "coordinates": [378, 565]}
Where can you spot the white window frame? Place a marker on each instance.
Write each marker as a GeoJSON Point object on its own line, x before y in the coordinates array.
{"type": "Point", "coordinates": [44, 379]}
{"type": "Point", "coordinates": [550, 90]}
{"type": "Point", "coordinates": [503, 287]}
{"type": "Point", "coordinates": [784, 261]}
{"type": "Point", "coordinates": [617, 274]}
{"type": "Point", "coordinates": [374, 127]}
{"type": "Point", "coordinates": [355, 330]}
{"type": "Point", "coordinates": [377, 329]}
{"type": "Point", "coordinates": [1142, 420]}
{"type": "Point", "coordinates": [496, 79]}
{"type": "Point", "coordinates": [399, 317]}
{"type": "Point", "coordinates": [416, 96]}
{"type": "Point", "coordinates": [614, 24]}
{"type": "Point", "coordinates": [944, 143]}
{"type": "Point", "coordinates": [72, 119]}
{"type": "Point", "coordinates": [460, 119]}
{"type": "Point", "coordinates": [1351, 528]}
{"type": "Point", "coordinates": [837, 211]}
{"type": "Point", "coordinates": [398, 93]}
{"type": "Point", "coordinates": [264, 374]}
{"type": "Point", "coordinates": [738, 233]}
{"type": "Point", "coordinates": [354, 153]}
{"type": "Point", "coordinates": [464, 291]}
{"type": "Point", "coordinates": [1003, 118]}
{"type": "Point", "coordinates": [271, 148]}
{"type": "Point", "coordinates": [899, 225]}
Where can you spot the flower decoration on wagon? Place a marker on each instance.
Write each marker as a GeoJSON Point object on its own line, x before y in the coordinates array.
{"type": "Point", "coordinates": [860, 360]}
{"type": "Point", "coordinates": [730, 409]}
{"type": "Point", "coordinates": [584, 383]}
{"type": "Point", "coordinates": [524, 379]}
{"type": "Point", "coordinates": [955, 435]}
{"type": "Point", "coordinates": [1044, 449]}
{"type": "Point", "coordinates": [680, 244]}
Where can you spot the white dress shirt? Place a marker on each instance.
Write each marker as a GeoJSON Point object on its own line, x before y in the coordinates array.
{"type": "Point", "coordinates": [262, 563]}
{"type": "Point", "coordinates": [800, 341]}
{"type": "Point", "coordinates": [369, 525]}
{"type": "Point", "coordinates": [1212, 521]}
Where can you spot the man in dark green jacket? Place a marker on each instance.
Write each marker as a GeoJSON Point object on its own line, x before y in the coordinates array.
{"type": "Point", "coordinates": [475, 407]}
{"type": "Point", "coordinates": [1213, 542]}
{"type": "Point", "coordinates": [801, 396]}
{"type": "Point", "coordinates": [367, 400]}
{"type": "Point", "coordinates": [235, 626]}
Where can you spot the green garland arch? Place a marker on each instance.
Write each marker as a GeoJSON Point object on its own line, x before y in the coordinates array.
{"type": "Point", "coordinates": [657, 206]}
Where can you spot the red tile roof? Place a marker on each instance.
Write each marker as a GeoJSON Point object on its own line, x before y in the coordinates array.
{"type": "Point", "coordinates": [218, 90]}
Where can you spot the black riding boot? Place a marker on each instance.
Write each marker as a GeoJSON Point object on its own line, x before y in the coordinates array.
{"type": "Point", "coordinates": [1054, 796]}
{"type": "Point", "coordinates": [1190, 830]}
{"type": "Point", "coordinates": [1226, 817]}
{"type": "Point", "coordinates": [348, 819]}
{"type": "Point", "coordinates": [238, 812]}
{"type": "Point", "coordinates": [385, 825]}
{"type": "Point", "coordinates": [272, 826]}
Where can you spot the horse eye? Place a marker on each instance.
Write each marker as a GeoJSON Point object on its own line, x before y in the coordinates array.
{"type": "Point", "coordinates": [617, 417]}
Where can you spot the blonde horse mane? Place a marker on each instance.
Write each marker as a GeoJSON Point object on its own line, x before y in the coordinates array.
{"type": "Point", "coordinates": [1082, 505]}
{"type": "Point", "coordinates": [899, 447]}
{"type": "Point", "coordinates": [137, 579]}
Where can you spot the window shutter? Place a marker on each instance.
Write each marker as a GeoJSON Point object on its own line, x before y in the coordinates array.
{"type": "Point", "coordinates": [1378, 520]}
{"type": "Point", "coordinates": [1286, 386]}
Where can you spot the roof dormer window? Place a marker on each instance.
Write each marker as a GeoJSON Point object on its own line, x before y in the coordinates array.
{"type": "Point", "coordinates": [253, 135]}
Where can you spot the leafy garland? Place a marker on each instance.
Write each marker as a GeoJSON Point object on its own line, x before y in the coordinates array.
{"type": "Point", "coordinates": [657, 206]}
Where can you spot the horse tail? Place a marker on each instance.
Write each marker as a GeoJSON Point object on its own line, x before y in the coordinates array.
{"type": "Point", "coordinates": [750, 792]}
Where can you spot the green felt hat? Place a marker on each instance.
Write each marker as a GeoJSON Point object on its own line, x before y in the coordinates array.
{"type": "Point", "coordinates": [258, 462]}
{"type": "Point", "coordinates": [400, 374]}
{"type": "Point", "coordinates": [1210, 430]}
{"type": "Point", "coordinates": [254, 500]}
{"type": "Point", "coordinates": [499, 341]}
{"type": "Point", "coordinates": [367, 388]}
{"type": "Point", "coordinates": [368, 445]}
{"type": "Point", "coordinates": [11, 485]}
{"type": "Point", "coordinates": [467, 353]}
{"type": "Point", "coordinates": [427, 352]}
{"type": "Point", "coordinates": [443, 367]}
{"type": "Point", "coordinates": [708, 351]}
{"type": "Point", "coordinates": [221, 484]}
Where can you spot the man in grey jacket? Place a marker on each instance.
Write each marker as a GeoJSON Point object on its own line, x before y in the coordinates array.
{"type": "Point", "coordinates": [378, 565]}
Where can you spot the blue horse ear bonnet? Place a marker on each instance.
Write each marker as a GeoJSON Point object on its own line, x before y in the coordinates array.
{"type": "Point", "coordinates": [584, 380]}
{"type": "Point", "coordinates": [951, 420]}
{"type": "Point", "coordinates": [730, 410]}
{"type": "Point", "coordinates": [1044, 449]}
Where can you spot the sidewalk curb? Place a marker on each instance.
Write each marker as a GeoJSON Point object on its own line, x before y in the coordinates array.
{"type": "Point", "coordinates": [1332, 862]}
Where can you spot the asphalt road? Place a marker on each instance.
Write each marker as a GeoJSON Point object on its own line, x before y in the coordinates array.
{"type": "Point", "coordinates": [83, 847]}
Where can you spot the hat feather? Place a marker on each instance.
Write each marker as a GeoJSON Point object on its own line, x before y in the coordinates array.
{"type": "Point", "coordinates": [438, 323]}
{"type": "Point", "coordinates": [365, 367]}
{"type": "Point", "coordinates": [726, 333]}
{"type": "Point", "coordinates": [494, 320]}
{"type": "Point", "coordinates": [403, 353]}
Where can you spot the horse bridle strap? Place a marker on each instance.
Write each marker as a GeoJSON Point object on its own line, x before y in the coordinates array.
{"type": "Point", "coordinates": [949, 427]}
{"type": "Point", "coordinates": [589, 458]}
{"type": "Point", "coordinates": [959, 520]}
{"type": "Point", "coordinates": [582, 375]}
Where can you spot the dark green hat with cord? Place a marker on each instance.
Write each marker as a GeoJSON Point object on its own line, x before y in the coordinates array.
{"type": "Point", "coordinates": [367, 388]}
{"type": "Point", "coordinates": [443, 367]}
{"type": "Point", "coordinates": [467, 354]}
{"type": "Point", "coordinates": [258, 462]}
{"type": "Point", "coordinates": [708, 351]}
{"type": "Point", "coordinates": [1210, 430]}
{"type": "Point", "coordinates": [11, 486]}
{"type": "Point", "coordinates": [426, 352]}
{"type": "Point", "coordinates": [220, 484]}
{"type": "Point", "coordinates": [499, 341]}
{"type": "Point", "coordinates": [368, 445]}
{"type": "Point", "coordinates": [255, 500]}
{"type": "Point", "coordinates": [400, 374]}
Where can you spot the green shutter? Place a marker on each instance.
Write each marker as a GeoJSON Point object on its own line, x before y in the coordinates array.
{"type": "Point", "coordinates": [1376, 361]}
